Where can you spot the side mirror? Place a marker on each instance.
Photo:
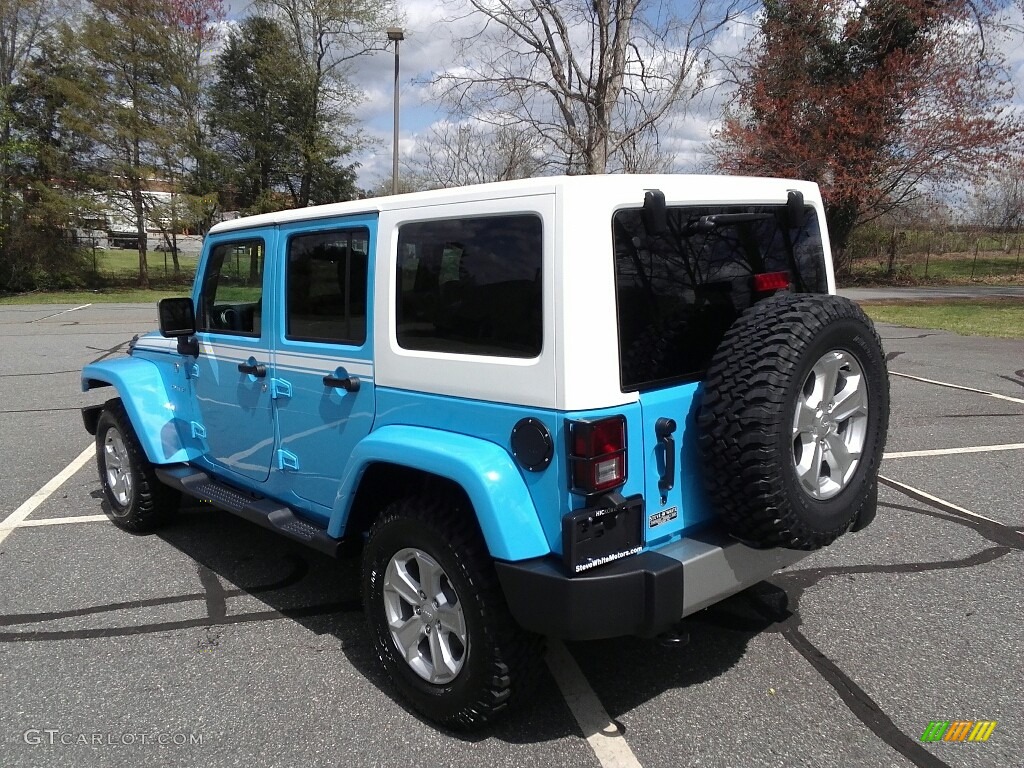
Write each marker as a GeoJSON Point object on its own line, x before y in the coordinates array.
{"type": "Point", "coordinates": [795, 212]}
{"type": "Point", "coordinates": [178, 320]}
{"type": "Point", "coordinates": [177, 317]}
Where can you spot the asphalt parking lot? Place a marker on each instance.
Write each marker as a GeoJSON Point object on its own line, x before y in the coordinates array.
{"type": "Point", "coordinates": [216, 643]}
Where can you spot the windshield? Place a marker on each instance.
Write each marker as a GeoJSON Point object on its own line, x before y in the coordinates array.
{"type": "Point", "coordinates": [679, 291]}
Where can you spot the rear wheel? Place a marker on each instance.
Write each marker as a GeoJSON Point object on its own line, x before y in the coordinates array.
{"type": "Point", "coordinates": [438, 618]}
{"type": "Point", "coordinates": [425, 616]}
{"type": "Point", "coordinates": [830, 422]}
{"type": "Point", "coordinates": [793, 421]}
{"type": "Point", "coordinates": [138, 501]}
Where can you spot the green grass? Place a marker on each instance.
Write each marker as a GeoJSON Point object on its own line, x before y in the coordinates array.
{"type": "Point", "coordinates": [103, 296]}
{"type": "Point", "coordinates": [999, 318]}
{"type": "Point", "coordinates": [120, 258]}
{"type": "Point", "coordinates": [122, 262]}
{"type": "Point", "coordinates": [228, 295]}
{"type": "Point", "coordinates": [958, 267]}
{"type": "Point", "coordinates": [951, 268]}
{"type": "Point", "coordinates": [238, 294]}
{"type": "Point", "coordinates": [114, 279]}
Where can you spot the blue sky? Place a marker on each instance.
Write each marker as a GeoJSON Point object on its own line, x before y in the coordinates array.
{"type": "Point", "coordinates": [428, 49]}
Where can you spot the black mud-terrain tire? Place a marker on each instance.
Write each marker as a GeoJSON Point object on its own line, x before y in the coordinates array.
{"type": "Point", "coordinates": [138, 501]}
{"type": "Point", "coordinates": [499, 661]}
{"type": "Point", "coordinates": [763, 371]}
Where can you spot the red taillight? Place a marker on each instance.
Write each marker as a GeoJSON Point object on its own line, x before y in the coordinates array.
{"type": "Point", "coordinates": [597, 454]}
{"type": "Point", "coordinates": [771, 281]}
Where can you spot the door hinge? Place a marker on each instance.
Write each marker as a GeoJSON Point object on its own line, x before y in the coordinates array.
{"type": "Point", "coordinates": [192, 371]}
{"type": "Point", "coordinates": [280, 388]}
{"type": "Point", "coordinates": [286, 460]}
{"type": "Point", "coordinates": [198, 430]}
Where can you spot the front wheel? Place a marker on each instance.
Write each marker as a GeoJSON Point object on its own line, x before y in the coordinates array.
{"type": "Point", "coordinates": [438, 618]}
{"type": "Point", "coordinates": [138, 501]}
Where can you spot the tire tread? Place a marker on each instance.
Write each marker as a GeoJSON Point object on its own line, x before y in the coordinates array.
{"type": "Point", "coordinates": [154, 502]}
{"type": "Point", "coordinates": [514, 654]}
{"type": "Point", "coordinates": [744, 408]}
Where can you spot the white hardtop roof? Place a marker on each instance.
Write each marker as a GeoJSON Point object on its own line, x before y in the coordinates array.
{"type": "Point", "coordinates": [622, 187]}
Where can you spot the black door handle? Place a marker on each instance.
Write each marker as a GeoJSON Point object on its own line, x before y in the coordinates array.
{"type": "Point", "coordinates": [254, 369]}
{"type": "Point", "coordinates": [663, 429]}
{"type": "Point", "coordinates": [349, 383]}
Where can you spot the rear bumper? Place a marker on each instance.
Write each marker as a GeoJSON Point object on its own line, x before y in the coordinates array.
{"type": "Point", "coordinates": [640, 595]}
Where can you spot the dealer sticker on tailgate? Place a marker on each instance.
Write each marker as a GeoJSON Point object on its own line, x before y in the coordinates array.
{"type": "Point", "coordinates": [665, 516]}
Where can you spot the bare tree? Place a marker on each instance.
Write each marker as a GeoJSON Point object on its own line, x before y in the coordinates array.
{"type": "Point", "coordinates": [328, 35]}
{"type": "Point", "coordinates": [192, 36]}
{"type": "Point", "coordinates": [23, 23]}
{"type": "Point", "coordinates": [121, 97]}
{"type": "Point", "coordinates": [593, 78]}
{"type": "Point", "coordinates": [643, 153]}
{"type": "Point", "coordinates": [453, 155]}
{"type": "Point", "coordinates": [999, 202]}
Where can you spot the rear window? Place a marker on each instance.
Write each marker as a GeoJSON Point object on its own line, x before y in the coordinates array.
{"type": "Point", "coordinates": [471, 286]}
{"type": "Point", "coordinates": [678, 292]}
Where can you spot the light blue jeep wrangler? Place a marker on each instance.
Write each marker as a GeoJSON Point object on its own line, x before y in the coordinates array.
{"type": "Point", "coordinates": [577, 407]}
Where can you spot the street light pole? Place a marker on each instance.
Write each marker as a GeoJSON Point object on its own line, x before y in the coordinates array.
{"type": "Point", "coordinates": [395, 34]}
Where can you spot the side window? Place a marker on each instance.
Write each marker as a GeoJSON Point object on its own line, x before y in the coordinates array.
{"type": "Point", "coordinates": [325, 286]}
{"type": "Point", "coordinates": [471, 286]}
{"type": "Point", "coordinates": [230, 300]}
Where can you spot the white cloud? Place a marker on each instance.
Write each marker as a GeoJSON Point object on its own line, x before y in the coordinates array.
{"type": "Point", "coordinates": [1009, 45]}
{"type": "Point", "coordinates": [431, 29]}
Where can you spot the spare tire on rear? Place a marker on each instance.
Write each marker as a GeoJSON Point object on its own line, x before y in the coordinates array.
{"type": "Point", "coordinates": [793, 421]}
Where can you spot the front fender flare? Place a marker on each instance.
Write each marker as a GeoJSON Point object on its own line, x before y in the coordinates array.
{"type": "Point", "coordinates": [484, 470]}
{"type": "Point", "coordinates": [165, 434]}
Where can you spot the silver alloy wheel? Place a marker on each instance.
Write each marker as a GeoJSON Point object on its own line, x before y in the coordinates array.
{"type": "Point", "coordinates": [830, 424]}
{"type": "Point", "coordinates": [425, 616]}
{"type": "Point", "coordinates": [118, 468]}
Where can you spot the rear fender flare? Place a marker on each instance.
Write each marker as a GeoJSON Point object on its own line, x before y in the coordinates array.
{"type": "Point", "coordinates": [484, 470]}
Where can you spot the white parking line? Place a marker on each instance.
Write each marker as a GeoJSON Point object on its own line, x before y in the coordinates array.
{"type": "Point", "coordinates": [62, 312]}
{"type": "Point", "coordinates": [60, 521]}
{"type": "Point", "coordinates": [952, 451]}
{"type": "Point", "coordinates": [947, 506]}
{"type": "Point", "coordinates": [957, 386]}
{"type": "Point", "coordinates": [601, 733]}
{"type": "Point", "coordinates": [18, 516]}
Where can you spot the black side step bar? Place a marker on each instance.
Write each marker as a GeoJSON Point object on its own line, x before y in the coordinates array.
{"type": "Point", "coordinates": [264, 512]}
